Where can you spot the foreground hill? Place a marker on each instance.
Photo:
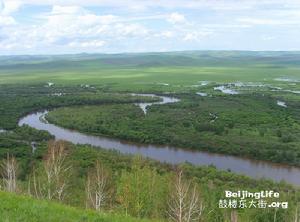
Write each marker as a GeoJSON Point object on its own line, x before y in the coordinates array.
{"type": "Point", "coordinates": [21, 208]}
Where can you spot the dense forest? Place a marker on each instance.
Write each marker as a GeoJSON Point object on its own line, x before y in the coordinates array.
{"type": "Point", "coordinates": [17, 101]}
{"type": "Point", "coordinates": [221, 124]}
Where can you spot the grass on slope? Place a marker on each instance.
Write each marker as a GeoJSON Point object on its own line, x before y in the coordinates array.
{"type": "Point", "coordinates": [15, 208]}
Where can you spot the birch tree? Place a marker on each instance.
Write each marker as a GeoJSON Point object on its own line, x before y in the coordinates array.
{"type": "Point", "coordinates": [296, 213]}
{"type": "Point", "coordinates": [233, 216]}
{"type": "Point", "coordinates": [185, 204]}
{"type": "Point", "coordinates": [9, 174]}
{"type": "Point", "coordinates": [97, 187]}
{"type": "Point", "coordinates": [50, 180]}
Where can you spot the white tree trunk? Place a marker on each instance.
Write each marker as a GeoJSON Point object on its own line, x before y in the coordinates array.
{"type": "Point", "coordinates": [185, 204]}
{"type": "Point", "coordinates": [9, 174]}
{"type": "Point", "coordinates": [96, 187]}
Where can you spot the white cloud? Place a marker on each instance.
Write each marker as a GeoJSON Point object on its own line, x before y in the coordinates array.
{"type": "Point", "coordinates": [190, 37]}
{"type": "Point", "coordinates": [226, 26]}
{"type": "Point", "coordinates": [175, 18]}
{"type": "Point", "coordinates": [167, 34]}
{"type": "Point", "coordinates": [269, 21]}
{"type": "Point", "coordinates": [134, 30]}
{"type": "Point", "coordinates": [267, 37]}
{"type": "Point", "coordinates": [196, 35]}
{"type": "Point", "coordinates": [87, 44]}
{"type": "Point", "coordinates": [143, 24]}
{"type": "Point", "coordinates": [7, 20]}
{"type": "Point", "coordinates": [62, 10]}
{"type": "Point", "coordinates": [8, 7]}
{"type": "Point", "coordinates": [259, 21]}
{"type": "Point", "coordinates": [71, 22]}
{"type": "Point", "coordinates": [70, 27]}
{"type": "Point", "coordinates": [138, 4]}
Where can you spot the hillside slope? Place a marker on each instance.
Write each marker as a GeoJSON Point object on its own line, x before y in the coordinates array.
{"type": "Point", "coordinates": [15, 208]}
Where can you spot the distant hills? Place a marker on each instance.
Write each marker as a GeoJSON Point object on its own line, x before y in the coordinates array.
{"type": "Point", "coordinates": [184, 58]}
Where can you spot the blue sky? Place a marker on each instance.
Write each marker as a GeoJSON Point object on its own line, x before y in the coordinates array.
{"type": "Point", "coordinates": [113, 26]}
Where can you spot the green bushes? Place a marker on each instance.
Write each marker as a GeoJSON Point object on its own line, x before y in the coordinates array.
{"type": "Point", "coordinates": [287, 138]}
{"type": "Point", "coordinates": [142, 192]}
{"type": "Point", "coordinates": [210, 127]}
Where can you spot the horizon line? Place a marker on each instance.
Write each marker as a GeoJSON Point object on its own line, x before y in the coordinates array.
{"type": "Point", "coordinates": [147, 52]}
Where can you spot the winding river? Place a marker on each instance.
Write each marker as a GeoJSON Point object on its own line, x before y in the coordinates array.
{"type": "Point", "coordinates": [252, 168]}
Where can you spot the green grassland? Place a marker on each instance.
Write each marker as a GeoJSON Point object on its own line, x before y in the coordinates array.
{"type": "Point", "coordinates": [14, 208]}
{"type": "Point", "coordinates": [143, 72]}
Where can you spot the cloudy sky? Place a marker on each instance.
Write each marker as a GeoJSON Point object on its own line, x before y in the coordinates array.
{"type": "Point", "coordinates": [111, 26]}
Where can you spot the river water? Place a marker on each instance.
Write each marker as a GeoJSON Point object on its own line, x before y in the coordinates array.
{"type": "Point", "coordinates": [252, 168]}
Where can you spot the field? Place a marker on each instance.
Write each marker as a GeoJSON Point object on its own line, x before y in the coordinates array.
{"type": "Point", "coordinates": [238, 103]}
{"type": "Point", "coordinates": [147, 71]}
